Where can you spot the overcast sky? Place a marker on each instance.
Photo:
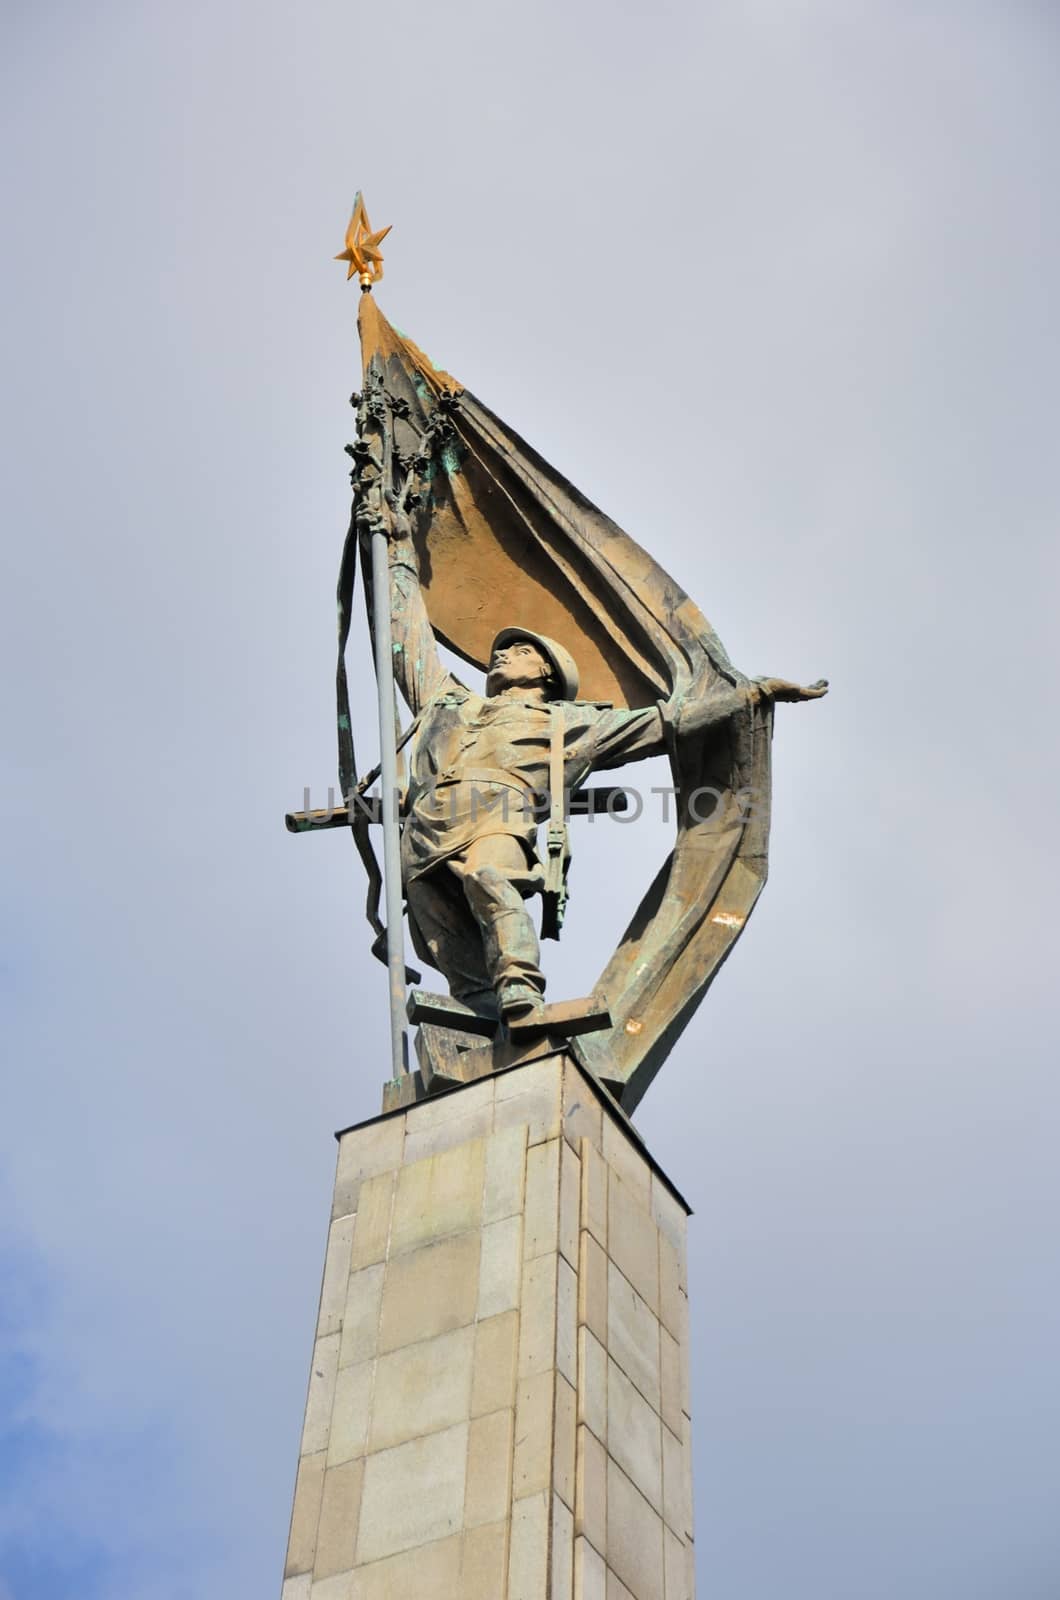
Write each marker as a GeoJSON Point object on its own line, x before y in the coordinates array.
{"type": "Point", "coordinates": [775, 283]}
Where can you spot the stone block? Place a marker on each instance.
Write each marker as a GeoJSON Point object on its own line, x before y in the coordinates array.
{"type": "Point", "coordinates": [493, 1371]}
{"type": "Point", "coordinates": [671, 1289]}
{"type": "Point", "coordinates": [349, 1416]}
{"type": "Point", "coordinates": [533, 1434]}
{"type": "Point", "coordinates": [675, 1567]}
{"type": "Point", "coordinates": [505, 1180]}
{"type": "Point", "coordinates": [671, 1218]}
{"type": "Point", "coordinates": [633, 1241]}
{"type": "Point", "coordinates": [564, 1442]}
{"type": "Point", "coordinates": [532, 1097]}
{"type": "Point", "coordinates": [305, 1518]}
{"type": "Point", "coordinates": [431, 1572]}
{"type": "Point", "coordinates": [321, 1395]}
{"type": "Point", "coordinates": [686, 1456]}
{"type": "Point", "coordinates": [592, 1287]}
{"type": "Point", "coordinates": [297, 1588]}
{"type": "Point", "coordinates": [339, 1587]}
{"type": "Point", "coordinates": [673, 1482]}
{"type": "Point", "coordinates": [372, 1227]}
{"type": "Point", "coordinates": [541, 1217]}
{"type": "Point", "coordinates": [422, 1388]}
{"type": "Point", "coordinates": [594, 1192]}
{"type": "Point", "coordinates": [537, 1332]}
{"type": "Point", "coordinates": [567, 1321]}
{"type": "Point", "coordinates": [339, 1509]}
{"type": "Point", "coordinates": [592, 1384]}
{"type": "Point", "coordinates": [360, 1318]}
{"type": "Point", "coordinates": [562, 1587]}
{"type": "Point", "coordinates": [501, 1266]}
{"type": "Point", "coordinates": [670, 1366]}
{"type": "Point", "coordinates": [634, 1537]}
{"type": "Point", "coordinates": [446, 1108]}
{"type": "Point", "coordinates": [482, 1571]}
{"type": "Point", "coordinates": [590, 1490]}
{"type": "Point", "coordinates": [413, 1494]}
{"type": "Point", "coordinates": [633, 1336]}
{"type": "Point", "coordinates": [336, 1277]}
{"type": "Point", "coordinates": [489, 1469]}
{"type": "Point", "coordinates": [627, 1162]}
{"type": "Point", "coordinates": [430, 1291]}
{"type": "Point", "coordinates": [451, 1134]}
{"type": "Point", "coordinates": [569, 1203]}
{"type": "Point", "coordinates": [364, 1153]}
{"type": "Point", "coordinates": [634, 1436]}
{"type": "Point", "coordinates": [528, 1555]}
{"type": "Point", "coordinates": [582, 1116]}
{"type": "Point", "coordinates": [438, 1196]}
{"type": "Point", "coordinates": [590, 1573]}
{"type": "Point", "coordinates": [616, 1590]}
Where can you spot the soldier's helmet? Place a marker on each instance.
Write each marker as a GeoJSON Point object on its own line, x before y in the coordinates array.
{"type": "Point", "coordinates": [563, 663]}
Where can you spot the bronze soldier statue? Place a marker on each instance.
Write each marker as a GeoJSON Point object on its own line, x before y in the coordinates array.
{"type": "Point", "coordinates": [478, 767]}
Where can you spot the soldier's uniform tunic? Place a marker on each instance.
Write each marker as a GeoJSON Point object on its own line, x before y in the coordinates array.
{"type": "Point", "coordinates": [476, 764]}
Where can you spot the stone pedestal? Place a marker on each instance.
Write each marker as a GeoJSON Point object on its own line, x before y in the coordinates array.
{"type": "Point", "coordinates": [498, 1402]}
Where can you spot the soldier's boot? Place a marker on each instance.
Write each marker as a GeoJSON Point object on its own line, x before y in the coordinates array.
{"type": "Point", "coordinates": [509, 941]}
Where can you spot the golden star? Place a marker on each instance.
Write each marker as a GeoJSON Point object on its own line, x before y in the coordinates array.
{"type": "Point", "coordinates": [362, 246]}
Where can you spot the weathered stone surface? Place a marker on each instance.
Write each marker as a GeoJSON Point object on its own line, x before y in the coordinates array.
{"type": "Point", "coordinates": [590, 1574]}
{"type": "Point", "coordinates": [336, 1276]}
{"type": "Point", "coordinates": [633, 1241]}
{"type": "Point", "coordinates": [430, 1291]}
{"type": "Point", "coordinates": [437, 1196]}
{"type": "Point", "coordinates": [633, 1336]}
{"type": "Point", "coordinates": [528, 1559]}
{"type": "Point", "coordinates": [505, 1180]}
{"type": "Point", "coordinates": [372, 1227]}
{"type": "Point", "coordinates": [541, 1222]}
{"type": "Point", "coordinates": [360, 1317]}
{"type": "Point", "coordinates": [533, 1434]}
{"type": "Point", "coordinates": [422, 1388]}
{"type": "Point", "coordinates": [537, 1333]}
{"type": "Point", "coordinates": [413, 1494]}
{"type": "Point", "coordinates": [626, 1162]}
{"type": "Point", "coordinates": [673, 1482]}
{"type": "Point", "coordinates": [489, 1469]}
{"type": "Point", "coordinates": [582, 1116]}
{"type": "Point", "coordinates": [339, 1510]}
{"type": "Point", "coordinates": [349, 1417]}
{"type": "Point", "coordinates": [594, 1192]}
{"type": "Point", "coordinates": [634, 1537]}
{"type": "Point", "coordinates": [670, 1368]}
{"type": "Point", "coordinates": [562, 1587]}
{"type": "Point", "coordinates": [484, 1565]}
{"type": "Point", "coordinates": [592, 1384]}
{"type": "Point", "coordinates": [364, 1153]}
{"type": "Point", "coordinates": [532, 1098]}
{"type": "Point", "coordinates": [671, 1289]}
{"type": "Point", "coordinates": [501, 1267]}
{"type": "Point", "coordinates": [321, 1395]}
{"type": "Point", "coordinates": [496, 1355]}
{"type": "Point", "coordinates": [567, 1321]}
{"type": "Point", "coordinates": [431, 1572]}
{"type": "Point", "coordinates": [592, 1287]}
{"type": "Point", "coordinates": [305, 1518]}
{"type": "Point", "coordinates": [590, 1493]}
{"type": "Point", "coordinates": [569, 1203]}
{"type": "Point", "coordinates": [563, 1443]}
{"type": "Point", "coordinates": [675, 1567]}
{"type": "Point", "coordinates": [634, 1436]}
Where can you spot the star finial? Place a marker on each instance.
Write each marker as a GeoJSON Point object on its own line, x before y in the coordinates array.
{"type": "Point", "coordinates": [362, 246]}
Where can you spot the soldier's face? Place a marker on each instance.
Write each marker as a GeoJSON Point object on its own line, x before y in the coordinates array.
{"type": "Point", "coordinates": [517, 665]}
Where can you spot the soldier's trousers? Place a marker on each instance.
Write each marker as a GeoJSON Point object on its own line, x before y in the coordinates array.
{"type": "Point", "coordinates": [469, 919]}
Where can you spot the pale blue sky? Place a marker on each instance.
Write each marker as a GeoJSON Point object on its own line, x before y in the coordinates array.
{"type": "Point", "coordinates": [774, 283]}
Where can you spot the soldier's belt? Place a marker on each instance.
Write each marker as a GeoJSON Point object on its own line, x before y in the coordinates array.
{"type": "Point", "coordinates": [486, 778]}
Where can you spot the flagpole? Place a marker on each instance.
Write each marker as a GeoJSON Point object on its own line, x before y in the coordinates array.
{"type": "Point", "coordinates": [384, 677]}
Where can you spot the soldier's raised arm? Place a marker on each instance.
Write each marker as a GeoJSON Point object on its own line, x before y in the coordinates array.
{"type": "Point", "coordinates": [418, 669]}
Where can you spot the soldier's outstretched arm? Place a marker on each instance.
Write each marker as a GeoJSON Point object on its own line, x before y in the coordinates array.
{"type": "Point", "coordinates": [418, 668]}
{"type": "Point", "coordinates": [725, 699]}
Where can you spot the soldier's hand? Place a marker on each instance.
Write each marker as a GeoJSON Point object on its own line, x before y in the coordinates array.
{"type": "Point", "coordinates": [781, 689]}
